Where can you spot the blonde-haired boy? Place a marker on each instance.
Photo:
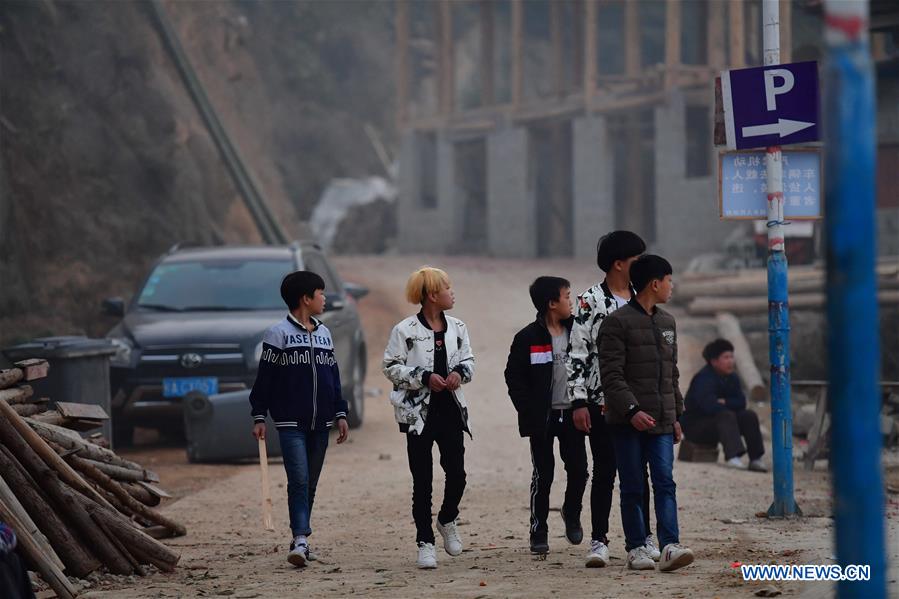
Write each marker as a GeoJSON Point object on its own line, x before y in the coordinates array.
{"type": "Point", "coordinates": [428, 358]}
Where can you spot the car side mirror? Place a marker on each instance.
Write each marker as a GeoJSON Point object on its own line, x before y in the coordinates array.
{"type": "Point", "coordinates": [356, 291]}
{"type": "Point", "coordinates": [113, 306]}
{"type": "Point", "coordinates": [334, 301]}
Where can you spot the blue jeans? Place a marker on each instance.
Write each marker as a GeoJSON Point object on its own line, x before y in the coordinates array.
{"type": "Point", "coordinates": [633, 450]}
{"type": "Point", "coordinates": [304, 455]}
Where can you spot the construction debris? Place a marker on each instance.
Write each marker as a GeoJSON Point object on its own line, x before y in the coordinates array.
{"type": "Point", "coordinates": [75, 506]}
{"type": "Point", "coordinates": [746, 292]}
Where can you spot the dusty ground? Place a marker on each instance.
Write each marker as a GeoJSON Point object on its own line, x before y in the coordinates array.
{"type": "Point", "coordinates": [363, 527]}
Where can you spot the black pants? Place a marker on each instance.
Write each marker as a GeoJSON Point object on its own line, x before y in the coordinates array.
{"type": "Point", "coordinates": [727, 427]}
{"type": "Point", "coordinates": [447, 432]}
{"type": "Point", "coordinates": [604, 470]}
{"type": "Point", "coordinates": [574, 457]}
{"type": "Point", "coordinates": [14, 581]}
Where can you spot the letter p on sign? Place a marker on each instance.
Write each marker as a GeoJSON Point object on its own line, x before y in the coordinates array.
{"type": "Point", "coordinates": [772, 90]}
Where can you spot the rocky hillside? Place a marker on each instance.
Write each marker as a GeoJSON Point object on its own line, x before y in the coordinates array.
{"type": "Point", "coordinates": [105, 163]}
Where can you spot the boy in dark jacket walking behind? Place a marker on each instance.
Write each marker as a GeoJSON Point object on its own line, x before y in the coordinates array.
{"type": "Point", "coordinates": [536, 377]}
{"type": "Point", "coordinates": [298, 384]}
{"type": "Point", "coordinates": [638, 369]}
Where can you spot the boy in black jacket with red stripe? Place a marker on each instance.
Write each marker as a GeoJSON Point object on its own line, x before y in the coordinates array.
{"type": "Point", "coordinates": [536, 377]}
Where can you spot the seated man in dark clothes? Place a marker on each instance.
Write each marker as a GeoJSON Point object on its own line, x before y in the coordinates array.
{"type": "Point", "coordinates": [14, 581]}
{"type": "Point", "coordinates": [715, 409]}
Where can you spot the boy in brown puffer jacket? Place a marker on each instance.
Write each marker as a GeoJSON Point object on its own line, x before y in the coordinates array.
{"type": "Point", "coordinates": [638, 368]}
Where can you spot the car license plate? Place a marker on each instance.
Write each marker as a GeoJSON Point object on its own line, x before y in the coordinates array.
{"type": "Point", "coordinates": [180, 387]}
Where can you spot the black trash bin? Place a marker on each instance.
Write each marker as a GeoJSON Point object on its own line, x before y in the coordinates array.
{"type": "Point", "coordinates": [79, 370]}
{"type": "Point", "coordinates": [219, 428]}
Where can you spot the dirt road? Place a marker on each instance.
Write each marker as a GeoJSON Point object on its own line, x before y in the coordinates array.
{"type": "Point", "coordinates": [363, 526]}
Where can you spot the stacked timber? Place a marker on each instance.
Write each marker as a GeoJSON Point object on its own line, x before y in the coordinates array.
{"type": "Point", "coordinates": [76, 507]}
{"type": "Point", "coordinates": [746, 293]}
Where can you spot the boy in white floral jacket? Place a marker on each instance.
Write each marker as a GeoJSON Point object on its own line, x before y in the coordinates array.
{"type": "Point", "coordinates": [428, 358]}
{"type": "Point", "coordinates": [615, 252]}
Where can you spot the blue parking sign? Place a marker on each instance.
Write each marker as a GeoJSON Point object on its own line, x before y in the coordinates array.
{"type": "Point", "coordinates": [743, 185]}
{"type": "Point", "coordinates": [771, 106]}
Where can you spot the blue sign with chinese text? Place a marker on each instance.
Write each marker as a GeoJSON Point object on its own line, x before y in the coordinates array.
{"type": "Point", "coordinates": [744, 185]}
{"type": "Point", "coordinates": [771, 106]}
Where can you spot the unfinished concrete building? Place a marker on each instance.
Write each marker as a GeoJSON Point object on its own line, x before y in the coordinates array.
{"type": "Point", "coordinates": [529, 128]}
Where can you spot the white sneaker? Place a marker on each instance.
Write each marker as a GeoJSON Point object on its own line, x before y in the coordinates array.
{"type": "Point", "coordinates": [427, 556]}
{"type": "Point", "coordinates": [675, 556]}
{"type": "Point", "coordinates": [735, 462]}
{"type": "Point", "coordinates": [598, 556]}
{"type": "Point", "coordinates": [653, 549]}
{"type": "Point", "coordinates": [299, 554]}
{"type": "Point", "coordinates": [640, 559]}
{"type": "Point", "coordinates": [451, 541]}
{"type": "Point", "coordinates": [757, 466]}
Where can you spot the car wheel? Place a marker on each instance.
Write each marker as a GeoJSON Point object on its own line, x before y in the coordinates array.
{"type": "Point", "coordinates": [356, 400]}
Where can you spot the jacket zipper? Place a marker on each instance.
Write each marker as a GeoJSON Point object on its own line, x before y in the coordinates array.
{"type": "Point", "coordinates": [314, 381]}
{"type": "Point", "coordinates": [658, 336]}
{"type": "Point", "coordinates": [449, 370]}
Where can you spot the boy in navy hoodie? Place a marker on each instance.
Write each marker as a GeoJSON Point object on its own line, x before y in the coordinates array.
{"type": "Point", "coordinates": [298, 384]}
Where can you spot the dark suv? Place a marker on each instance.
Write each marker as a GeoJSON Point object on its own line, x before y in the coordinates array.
{"type": "Point", "coordinates": [197, 323]}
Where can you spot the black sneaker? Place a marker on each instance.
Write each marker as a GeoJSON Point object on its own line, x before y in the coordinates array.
{"type": "Point", "coordinates": [539, 544]}
{"type": "Point", "coordinates": [573, 531]}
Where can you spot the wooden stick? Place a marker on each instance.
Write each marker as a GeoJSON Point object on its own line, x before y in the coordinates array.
{"type": "Point", "coordinates": [15, 506]}
{"type": "Point", "coordinates": [32, 551]}
{"type": "Point", "coordinates": [90, 469]}
{"type": "Point", "coordinates": [139, 543]}
{"type": "Point", "coordinates": [49, 417]}
{"type": "Point", "coordinates": [16, 394]}
{"type": "Point", "coordinates": [46, 453]}
{"type": "Point", "coordinates": [72, 440]}
{"type": "Point", "coordinates": [159, 532]}
{"type": "Point", "coordinates": [64, 498]}
{"type": "Point", "coordinates": [141, 494]}
{"type": "Point", "coordinates": [266, 488]}
{"type": "Point", "coordinates": [121, 547]}
{"type": "Point", "coordinates": [33, 369]}
{"type": "Point", "coordinates": [10, 377]}
{"type": "Point", "coordinates": [29, 409]}
{"type": "Point", "coordinates": [76, 558]}
{"type": "Point", "coordinates": [119, 473]}
{"type": "Point", "coordinates": [707, 306]}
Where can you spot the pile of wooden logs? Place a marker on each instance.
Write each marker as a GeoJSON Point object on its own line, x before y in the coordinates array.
{"type": "Point", "coordinates": [75, 506]}
{"type": "Point", "coordinates": [707, 294]}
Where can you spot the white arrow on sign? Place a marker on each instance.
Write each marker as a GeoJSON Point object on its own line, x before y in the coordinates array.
{"type": "Point", "coordinates": [782, 127]}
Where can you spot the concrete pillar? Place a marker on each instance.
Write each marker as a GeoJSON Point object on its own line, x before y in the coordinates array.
{"type": "Point", "coordinates": [594, 184]}
{"type": "Point", "coordinates": [686, 209]}
{"type": "Point", "coordinates": [422, 228]}
{"type": "Point", "coordinates": [449, 203]}
{"type": "Point", "coordinates": [408, 192]}
{"type": "Point", "coordinates": [511, 202]}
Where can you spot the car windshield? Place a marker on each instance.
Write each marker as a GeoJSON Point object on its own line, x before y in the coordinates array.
{"type": "Point", "coordinates": [215, 285]}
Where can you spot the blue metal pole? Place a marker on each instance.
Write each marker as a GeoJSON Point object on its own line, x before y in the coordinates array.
{"type": "Point", "coordinates": [784, 505]}
{"type": "Point", "coordinates": [853, 340]}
